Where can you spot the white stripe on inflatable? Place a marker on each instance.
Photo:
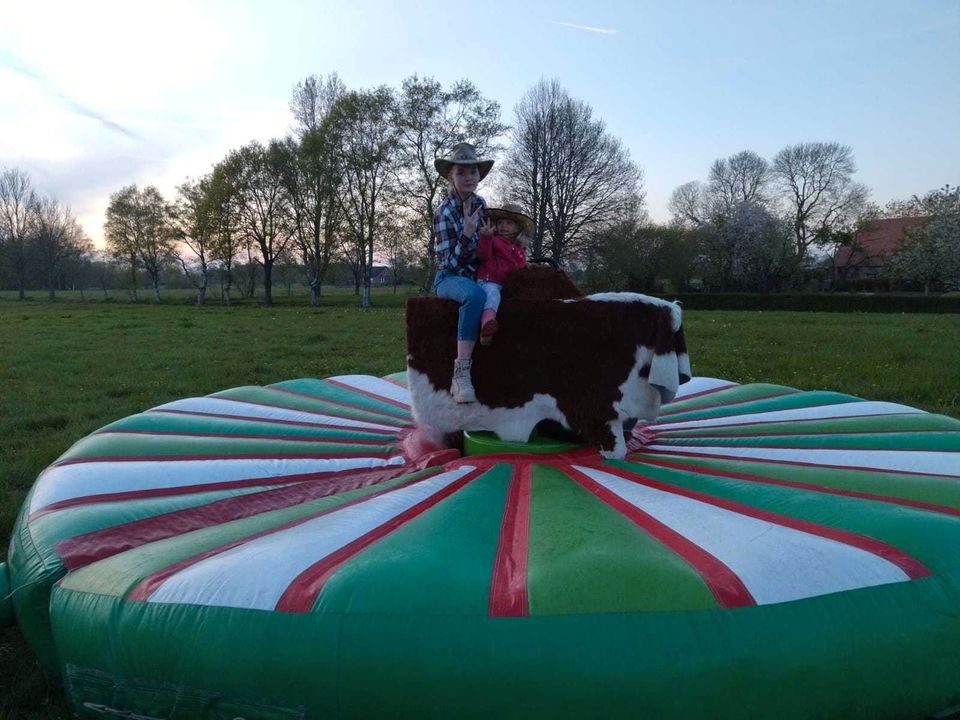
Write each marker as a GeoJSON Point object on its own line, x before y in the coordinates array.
{"type": "Point", "coordinates": [238, 408]}
{"type": "Point", "coordinates": [67, 482]}
{"type": "Point", "coordinates": [256, 574]}
{"type": "Point", "coordinates": [775, 563]}
{"type": "Point", "coordinates": [375, 386]}
{"type": "Point", "coordinates": [818, 412]}
{"type": "Point", "coordinates": [699, 385]}
{"type": "Point", "coordinates": [908, 461]}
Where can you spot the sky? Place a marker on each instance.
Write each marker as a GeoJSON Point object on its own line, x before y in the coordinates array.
{"type": "Point", "coordinates": [97, 95]}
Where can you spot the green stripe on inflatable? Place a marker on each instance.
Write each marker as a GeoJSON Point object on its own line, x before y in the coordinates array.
{"type": "Point", "coordinates": [409, 571]}
{"type": "Point", "coordinates": [932, 538]}
{"type": "Point", "coordinates": [933, 441]}
{"type": "Point", "coordinates": [275, 398]}
{"type": "Point", "coordinates": [922, 488]}
{"type": "Point", "coordinates": [324, 390]}
{"type": "Point", "coordinates": [6, 604]}
{"type": "Point", "coordinates": [818, 658]}
{"type": "Point", "coordinates": [207, 424]}
{"type": "Point", "coordinates": [783, 402]}
{"type": "Point", "coordinates": [915, 422]}
{"type": "Point", "coordinates": [732, 394]}
{"type": "Point", "coordinates": [135, 445]}
{"type": "Point", "coordinates": [119, 574]}
{"type": "Point", "coordinates": [584, 556]}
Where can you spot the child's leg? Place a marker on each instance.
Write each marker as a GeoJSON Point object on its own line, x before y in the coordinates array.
{"type": "Point", "coordinates": [471, 298]}
{"type": "Point", "coordinates": [488, 320]}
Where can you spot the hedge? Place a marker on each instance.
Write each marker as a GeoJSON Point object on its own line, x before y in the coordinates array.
{"type": "Point", "coordinates": [820, 302]}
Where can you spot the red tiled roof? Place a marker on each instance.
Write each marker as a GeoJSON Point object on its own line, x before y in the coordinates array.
{"type": "Point", "coordinates": [873, 245]}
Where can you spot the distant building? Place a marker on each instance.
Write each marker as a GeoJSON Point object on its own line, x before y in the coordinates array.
{"type": "Point", "coordinates": [872, 248]}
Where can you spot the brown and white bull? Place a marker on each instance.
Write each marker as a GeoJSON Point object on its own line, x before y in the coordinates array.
{"type": "Point", "coordinates": [589, 363]}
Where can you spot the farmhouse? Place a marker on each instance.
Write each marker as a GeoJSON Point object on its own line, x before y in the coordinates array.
{"type": "Point", "coordinates": [872, 248]}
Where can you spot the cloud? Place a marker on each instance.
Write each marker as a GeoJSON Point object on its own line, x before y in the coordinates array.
{"type": "Point", "coordinates": [588, 28]}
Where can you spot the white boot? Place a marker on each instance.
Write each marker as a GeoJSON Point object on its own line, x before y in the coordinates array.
{"type": "Point", "coordinates": [462, 386]}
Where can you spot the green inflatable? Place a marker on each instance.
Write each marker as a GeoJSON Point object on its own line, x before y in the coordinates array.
{"type": "Point", "coordinates": [271, 552]}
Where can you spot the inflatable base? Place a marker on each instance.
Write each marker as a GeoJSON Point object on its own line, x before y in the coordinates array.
{"type": "Point", "coordinates": [271, 552]}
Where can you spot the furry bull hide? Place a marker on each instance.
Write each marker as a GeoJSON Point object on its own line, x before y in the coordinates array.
{"type": "Point", "coordinates": [590, 363]}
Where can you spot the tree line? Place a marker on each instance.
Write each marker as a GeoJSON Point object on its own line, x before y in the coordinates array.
{"type": "Point", "coordinates": [354, 182]}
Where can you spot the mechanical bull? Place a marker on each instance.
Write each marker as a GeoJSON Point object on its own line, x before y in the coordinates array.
{"type": "Point", "coordinates": [590, 363]}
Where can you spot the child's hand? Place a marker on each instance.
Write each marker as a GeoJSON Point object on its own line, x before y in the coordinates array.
{"type": "Point", "coordinates": [471, 220]}
{"type": "Point", "coordinates": [486, 228]}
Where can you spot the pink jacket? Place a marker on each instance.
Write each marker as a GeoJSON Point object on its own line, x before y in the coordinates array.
{"type": "Point", "coordinates": [498, 258]}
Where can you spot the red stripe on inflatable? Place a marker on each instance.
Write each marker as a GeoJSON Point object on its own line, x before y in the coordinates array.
{"type": "Point", "coordinates": [225, 456]}
{"type": "Point", "coordinates": [275, 421]}
{"type": "Point", "coordinates": [508, 587]}
{"type": "Point", "coordinates": [396, 382]}
{"type": "Point", "coordinates": [793, 463]}
{"type": "Point", "coordinates": [302, 593]}
{"type": "Point", "coordinates": [767, 480]}
{"type": "Point", "coordinates": [146, 587]}
{"type": "Point", "coordinates": [701, 408]}
{"type": "Point", "coordinates": [911, 566]}
{"type": "Point", "coordinates": [370, 394]}
{"type": "Point", "coordinates": [726, 585]}
{"type": "Point", "coordinates": [245, 436]}
{"type": "Point", "coordinates": [99, 544]}
{"type": "Point", "coordinates": [679, 442]}
{"type": "Point", "coordinates": [691, 396]}
{"type": "Point", "coordinates": [405, 417]}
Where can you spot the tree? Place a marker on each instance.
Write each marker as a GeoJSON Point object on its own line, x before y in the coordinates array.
{"type": "Point", "coordinates": [568, 171]}
{"type": "Point", "coordinates": [312, 100]}
{"type": "Point", "coordinates": [258, 178]}
{"type": "Point", "coordinates": [57, 238]}
{"type": "Point", "coordinates": [930, 253]}
{"type": "Point", "coordinates": [193, 224]}
{"type": "Point", "coordinates": [367, 142]}
{"type": "Point", "coordinates": [226, 240]}
{"type": "Point", "coordinates": [137, 233]}
{"type": "Point", "coordinates": [741, 178]}
{"type": "Point", "coordinates": [429, 121]}
{"type": "Point", "coordinates": [816, 180]}
{"type": "Point", "coordinates": [17, 204]}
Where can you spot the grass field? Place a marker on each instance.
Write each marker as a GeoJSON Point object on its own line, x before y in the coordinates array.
{"type": "Point", "coordinates": [68, 368]}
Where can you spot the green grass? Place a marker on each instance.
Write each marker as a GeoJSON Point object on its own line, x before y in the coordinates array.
{"type": "Point", "coordinates": [68, 368]}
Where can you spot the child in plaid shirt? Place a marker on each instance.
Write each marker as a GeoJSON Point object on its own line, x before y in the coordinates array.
{"type": "Point", "coordinates": [456, 233]}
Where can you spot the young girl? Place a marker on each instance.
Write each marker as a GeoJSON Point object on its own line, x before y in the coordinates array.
{"type": "Point", "coordinates": [500, 255]}
{"type": "Point", "coordinates": [456, 233]}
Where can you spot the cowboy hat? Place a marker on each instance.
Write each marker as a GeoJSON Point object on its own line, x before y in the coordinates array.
{"type": "Point", "coordinates": [462, 154]}
{"type": "Point", "coordinates": [514, 212]}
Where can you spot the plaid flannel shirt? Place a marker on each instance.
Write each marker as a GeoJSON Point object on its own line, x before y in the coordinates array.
{"type": "Point", "coordinates": [453, 250]}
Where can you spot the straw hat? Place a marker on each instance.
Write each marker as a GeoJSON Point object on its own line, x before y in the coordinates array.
{"type": "Point", "coordinates": [462, 154]}
{"type": "Point", "coordinates": [514, 212]}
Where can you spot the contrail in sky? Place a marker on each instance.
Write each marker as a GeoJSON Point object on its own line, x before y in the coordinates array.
{"type": "Point", "coordinates": [78, 108]}
{"type": "Point", "coordinates": [588, 28]}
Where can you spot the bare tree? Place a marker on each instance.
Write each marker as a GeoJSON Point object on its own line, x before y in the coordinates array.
{"type": "Point", "coordinates": [58, 237]}
{"type": "Point", "coordinates": [137, 233]}
{"type": "Point", "coordinates": [689, 206]}
{"type": "Point", "coordinates": [430, 120]}
{"type": "Point", "coordinates": [568, 171]}
{"type": "Point", "coordinates": [366, 148]}
{"type": "Point", "coordinates": [193, 223]}
{"type": "Point", "coordinates": [817, 182]}
{"type": "Point", "coordinates": [258, 178]}
{"type": "Point", "coordinates": [17, 203]}
{"type": "Point", "coordinates": [741, 178]}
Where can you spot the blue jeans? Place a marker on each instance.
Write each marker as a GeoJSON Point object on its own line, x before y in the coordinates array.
{"type": "Point", "coordinates": [471, 298]}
